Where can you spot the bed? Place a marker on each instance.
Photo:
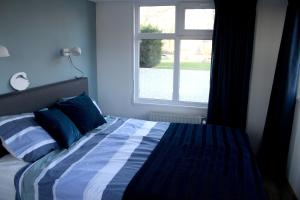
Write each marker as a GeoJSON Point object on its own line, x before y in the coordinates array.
{"type": "Point", "coordinates": [136, 159]}
{"type": "Point", "coordinates": [9, 167]}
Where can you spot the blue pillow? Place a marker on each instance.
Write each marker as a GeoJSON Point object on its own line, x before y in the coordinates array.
{"type": "Point", "coordinates": [83, 112]}
{"type": "Point", "coordinates": [61, 128]}
{"type": "Point", "coordinates": [94, 102]}
{"type": "Point", "coordinates": [23, 138]}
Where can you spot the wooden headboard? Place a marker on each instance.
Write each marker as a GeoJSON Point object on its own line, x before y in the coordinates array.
{"type": "Point", "coordinates": [40, 97]}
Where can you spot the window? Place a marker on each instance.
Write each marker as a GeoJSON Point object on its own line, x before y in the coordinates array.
{"type": "Point", "coordinates": [191, 14]}
{"type": "Point", "coordinates": [173, 45]}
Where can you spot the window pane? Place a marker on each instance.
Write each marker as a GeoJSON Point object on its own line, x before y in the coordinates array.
{"type": "Point", "coordinates": [195, 62]}
{"type": "Point", "coordinates": [156, 69]}
{"type": "Point", "coordinates": [158, 19]}
{"type": "Point", "coordinates": [199, 19]}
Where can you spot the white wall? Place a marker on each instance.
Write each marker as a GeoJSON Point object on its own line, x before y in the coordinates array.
{"type": "Point", "coordinates": [115, 63]}
{"type": "Point", "coordinates": [269, 26]}
{"type": "Point", "coordinates": [294, 154]}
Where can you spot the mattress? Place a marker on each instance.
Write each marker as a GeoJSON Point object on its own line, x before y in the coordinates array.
{"type": "Point", "coordinates": [9, 166]}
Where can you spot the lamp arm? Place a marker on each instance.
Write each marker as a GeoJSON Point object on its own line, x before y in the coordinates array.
{"type": "Point", "coordinates": [77, 68]}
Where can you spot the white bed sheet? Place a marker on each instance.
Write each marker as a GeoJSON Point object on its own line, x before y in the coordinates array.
{"type": "Point", "coordinates": [9, 166]}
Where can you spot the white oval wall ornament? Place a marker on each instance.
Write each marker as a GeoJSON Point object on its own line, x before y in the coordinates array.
{"type": "Point", "coordinates": [19, 81]}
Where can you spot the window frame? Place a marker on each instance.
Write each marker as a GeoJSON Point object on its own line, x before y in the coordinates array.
{"type": "Point", "coordinates": [180, 34]}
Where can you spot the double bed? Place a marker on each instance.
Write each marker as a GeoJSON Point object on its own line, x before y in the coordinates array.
{"type": "Point", "coordinates": [131, 159]}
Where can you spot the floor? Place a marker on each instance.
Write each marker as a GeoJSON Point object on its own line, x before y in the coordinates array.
{"type": "Point", "coordinates": [275, 192]}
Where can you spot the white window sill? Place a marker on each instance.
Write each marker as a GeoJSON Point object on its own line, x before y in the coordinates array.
{"type": "Point", "coordinates": [169, 103]}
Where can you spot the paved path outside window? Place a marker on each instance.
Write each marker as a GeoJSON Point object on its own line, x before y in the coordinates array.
{"type": "Point", "coordinates": [158, 84]}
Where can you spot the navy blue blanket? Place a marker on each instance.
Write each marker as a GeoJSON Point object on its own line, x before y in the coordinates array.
{"type": "Point", "coordinates": [198, 162]}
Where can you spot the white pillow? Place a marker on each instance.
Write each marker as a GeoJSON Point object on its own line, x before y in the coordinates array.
{"type": "Point", "coordinates": [95, 103]}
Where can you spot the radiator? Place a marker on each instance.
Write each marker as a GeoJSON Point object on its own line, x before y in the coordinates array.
{"type": "Point", "coordinates": [176, 117]}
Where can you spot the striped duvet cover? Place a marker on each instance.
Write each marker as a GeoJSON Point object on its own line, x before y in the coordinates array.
{"type": "Point", "coordinates": [99, 166]}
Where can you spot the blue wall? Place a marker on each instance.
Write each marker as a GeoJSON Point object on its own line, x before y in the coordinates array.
{"type": "Point", "coordinates": [34, 31]}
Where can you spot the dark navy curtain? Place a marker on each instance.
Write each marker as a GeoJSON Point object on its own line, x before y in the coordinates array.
{"type": "Point", "coordinates": [231, 62]}
{"type": "Point", "coordinates": [276, 138]}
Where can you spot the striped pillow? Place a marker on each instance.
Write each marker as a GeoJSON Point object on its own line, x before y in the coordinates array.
{"type": "Point", "coordinates": [22, 137]}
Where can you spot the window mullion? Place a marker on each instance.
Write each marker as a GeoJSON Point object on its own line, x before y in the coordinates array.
{"type": "Point", "coordinates": [176, 74]}
{"type": "Point", "coordinates": [155, 36]}
{"type": "Point", "coordinates": [136, 71]}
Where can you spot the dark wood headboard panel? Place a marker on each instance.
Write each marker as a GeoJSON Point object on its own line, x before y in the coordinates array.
{"type": "Point", "coordinates": [39, 97]}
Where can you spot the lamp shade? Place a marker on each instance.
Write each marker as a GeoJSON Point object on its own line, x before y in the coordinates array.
{"type": "Point", "coordinates": [3, 51]}
{"type": "Point", "coordinates": [75, 51]}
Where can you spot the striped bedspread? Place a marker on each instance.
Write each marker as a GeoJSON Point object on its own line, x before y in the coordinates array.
{"type": "Point", "coordinates": [143, 160]}
{"type": "Point", "coordinates": [99, 166]}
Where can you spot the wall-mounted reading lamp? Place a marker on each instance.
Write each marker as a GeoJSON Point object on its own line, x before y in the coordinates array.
{"type": "Point", "coordinates": [18, 81]}
{"type": "Point", "coordinates": [3, 51]}
{"type": "Point", "coordinates": [75, 51]}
